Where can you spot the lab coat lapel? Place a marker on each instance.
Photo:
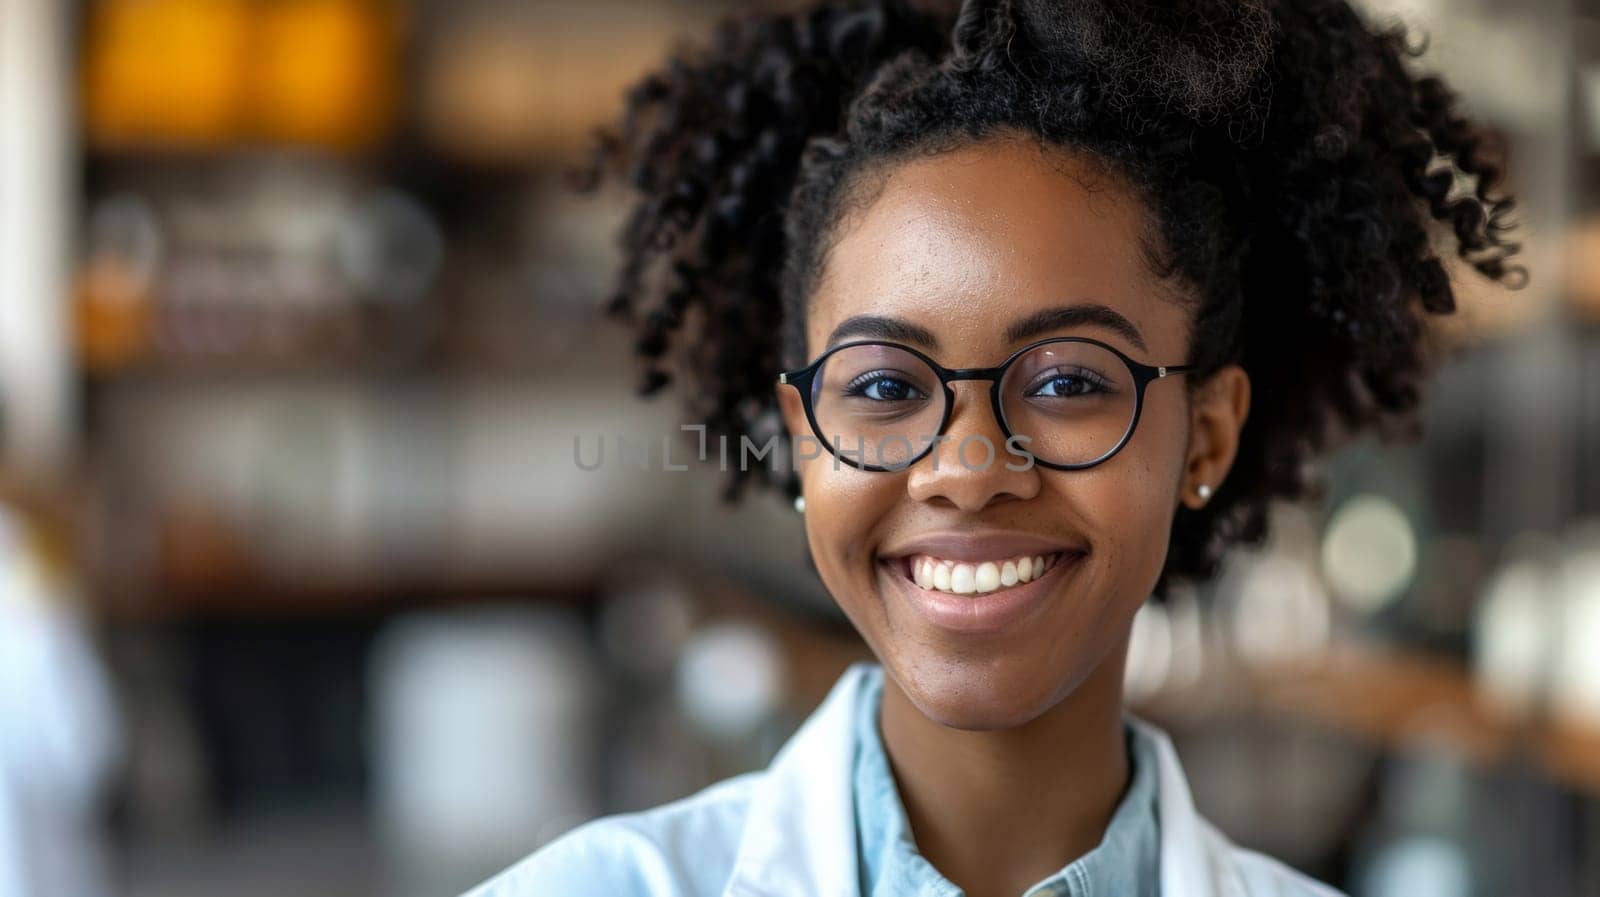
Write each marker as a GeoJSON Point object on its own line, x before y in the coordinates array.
{"type": "Point", "coordinates": [1195, 861]}
{"type": "Point", "coordinates": [800, 831]}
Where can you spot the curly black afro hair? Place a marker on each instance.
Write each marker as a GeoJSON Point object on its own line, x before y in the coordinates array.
{"type": "Point", "coordinates": [1290, 162]}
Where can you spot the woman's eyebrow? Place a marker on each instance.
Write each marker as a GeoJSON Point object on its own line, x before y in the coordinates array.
{"type": "Point", "coordinates": [878, 327]}
{"type": "Point", "coordinates": [1065, 316]}
{"type": "Point", "coordinates": [1037, 324]}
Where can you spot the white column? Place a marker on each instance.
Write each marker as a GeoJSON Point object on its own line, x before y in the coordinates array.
{"type": "Point", "coordinates": [36, 194]}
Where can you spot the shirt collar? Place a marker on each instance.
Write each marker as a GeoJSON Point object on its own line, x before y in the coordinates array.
{"type": "Point", "coordinates": [1126, 862]}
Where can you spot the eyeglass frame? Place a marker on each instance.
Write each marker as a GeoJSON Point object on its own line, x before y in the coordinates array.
{"type": "Point", "coordinates": [1143, 374]}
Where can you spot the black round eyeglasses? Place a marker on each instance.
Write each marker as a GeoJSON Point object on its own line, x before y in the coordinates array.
{"type": "Point", "coordinates": [1069, 402]}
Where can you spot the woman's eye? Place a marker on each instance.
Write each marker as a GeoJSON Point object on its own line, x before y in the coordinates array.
{"type": "Point", "coordinates": [880, 388]}
{"type": "Point", "coordinates": [1061, 386]}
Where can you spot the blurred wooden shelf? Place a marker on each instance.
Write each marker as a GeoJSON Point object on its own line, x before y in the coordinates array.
{"type": "Point", "coordinates": [1398, 699]}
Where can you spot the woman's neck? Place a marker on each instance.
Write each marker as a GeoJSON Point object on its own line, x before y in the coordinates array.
{"type": "Point", "coordinates": [995, 811]}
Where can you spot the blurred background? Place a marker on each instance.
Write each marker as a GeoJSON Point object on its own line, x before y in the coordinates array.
{"type": "Point", "coordinates": [302, 591]}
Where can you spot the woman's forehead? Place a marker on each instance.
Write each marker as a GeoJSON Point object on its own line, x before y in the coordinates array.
{"type": "Point", "coordinates": [967, 242]}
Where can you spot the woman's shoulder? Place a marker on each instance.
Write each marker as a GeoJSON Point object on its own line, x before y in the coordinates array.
{"type": "Point", "coordinates": [684, 848]}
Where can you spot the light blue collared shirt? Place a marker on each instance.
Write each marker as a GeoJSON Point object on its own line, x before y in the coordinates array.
{"type": "Point", "coordinates": [1125, 864]}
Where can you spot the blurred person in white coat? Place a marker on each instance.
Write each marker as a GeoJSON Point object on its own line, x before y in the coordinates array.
{"type": "Point", "coordinates": [58, 730]}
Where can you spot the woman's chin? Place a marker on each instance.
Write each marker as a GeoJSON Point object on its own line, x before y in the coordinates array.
{"type": "Point", "coordinates": [963, 695]}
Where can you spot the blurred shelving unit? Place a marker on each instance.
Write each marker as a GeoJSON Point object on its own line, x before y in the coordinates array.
{"type": "Point", "coordinates": [328, 241]}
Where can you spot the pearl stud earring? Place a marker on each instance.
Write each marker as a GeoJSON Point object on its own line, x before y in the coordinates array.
{"type": "Point", "coordinates": [1204, 490]}
{"type": "Point", "coordinates": [800, 504]}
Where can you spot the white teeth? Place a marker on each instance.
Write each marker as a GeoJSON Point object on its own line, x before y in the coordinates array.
{"type": "Point", "coordinates": [962, 578]}
{"type": "Point", "coordinates": [987, 577]}
{"type": "Point", "coordinates": [1008, 574]}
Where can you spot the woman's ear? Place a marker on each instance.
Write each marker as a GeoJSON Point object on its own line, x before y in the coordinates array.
{"type": "Point", "coordinates": [1216, 420]}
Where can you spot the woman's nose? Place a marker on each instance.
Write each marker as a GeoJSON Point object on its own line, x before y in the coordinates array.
{"type": "Point", "coordinates": [971, 466]}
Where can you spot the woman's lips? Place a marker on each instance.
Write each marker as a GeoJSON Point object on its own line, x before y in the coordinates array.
{"type": "Point", "coordinates": [977, 611]}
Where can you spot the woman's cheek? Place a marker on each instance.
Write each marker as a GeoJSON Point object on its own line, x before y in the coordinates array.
{"type": "Point", "coordinates": [1143, 528]}
{"type": "Point", "coordinates": [1130, 526]}
{"type": "Point", "coordinates": [842, 507]}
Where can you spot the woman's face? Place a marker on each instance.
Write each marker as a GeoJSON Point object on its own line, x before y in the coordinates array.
{"type": "Point", "coordinates": [963, 246]}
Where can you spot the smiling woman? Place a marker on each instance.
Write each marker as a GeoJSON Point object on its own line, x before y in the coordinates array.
{"type": "Point", "coordinates": [921, 233]}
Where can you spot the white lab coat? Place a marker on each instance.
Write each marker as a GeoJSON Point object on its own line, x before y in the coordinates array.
{"type": "Point", "coordinates": [58, 740]}
{"type": "Point", "coordinates": [789, 831]}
